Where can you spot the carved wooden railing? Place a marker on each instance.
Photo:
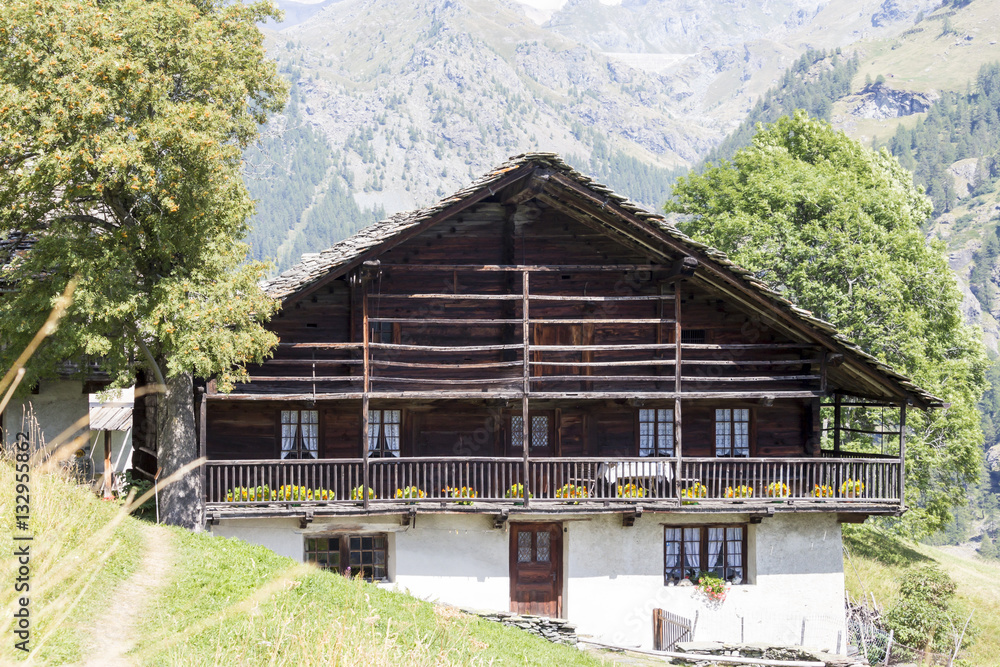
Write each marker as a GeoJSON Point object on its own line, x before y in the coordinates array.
{"type": "Point", "coordinates": [474, 480]}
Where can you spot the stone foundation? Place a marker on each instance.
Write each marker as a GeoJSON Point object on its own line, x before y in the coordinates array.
{"type": "Point", "coordinates": [556, 630]}
{"type": "Point", "coordinates": [701, 654]}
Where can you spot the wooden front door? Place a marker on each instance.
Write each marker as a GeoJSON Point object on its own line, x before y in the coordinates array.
{"type": "Point", "coordinates": [536, 569]}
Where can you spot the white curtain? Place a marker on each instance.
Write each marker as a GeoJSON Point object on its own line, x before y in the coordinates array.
{"type": "Point", "coordinates": [716, 538]}
{"type": "Point", "coordinates": [374, 426]}
{"type": "Point", "coordinates": [672, 551]}
{"type": "Point", "coordinates": [390, 423]}
{"type": "Point", "coordinates": [289, 429]}
{"type": "Point", "coordinates": [692, 550]}
{"type": "Point", "coordinates": [310, 432]}
{"type": "Point", "coordinates": [734, 553]}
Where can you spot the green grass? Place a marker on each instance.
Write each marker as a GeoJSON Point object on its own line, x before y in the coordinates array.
{"type": "Point", "coordinates": [82, 549]}
{"type": "Point", "coordinates": [234, 603]}
{"type": "Point", "coordinates": [877, 560]}
{"type": "Point", "coordinates": [222, 601]}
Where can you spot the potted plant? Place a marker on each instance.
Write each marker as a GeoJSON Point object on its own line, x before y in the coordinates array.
{"type": "Point", "coordinates": [777, 490]}
{"type": "Point", "coordinates": [631, 491]}
{"type": "Point", "coordinates": [740, 491]}
{"type": "Point", "coordinates": [463, 492]}
{"type": "Point", "coordinates": [517, 491]}
{"type": "Point", "coordinates": [358, 493]}
{"type": "Point", "coordinates": [713, 587]}
{"type": "Point", "coordinates": [699, 490]}
{"type": "Point", "coordinates": [823, 491]}
{"type": "Point", "coordinates": [410, 492]}
{"type": "Point", "coordinates": [852, 488]}
{"type": "Point", "coordinates": [573, 491]}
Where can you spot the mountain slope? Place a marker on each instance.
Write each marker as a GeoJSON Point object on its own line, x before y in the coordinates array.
{"type": "Point", "coordinates": [417, 98]}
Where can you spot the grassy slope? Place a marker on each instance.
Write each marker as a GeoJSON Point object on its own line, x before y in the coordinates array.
{"type": "Point", "coordinates": [82, 548]}
{"type": "Point", "coordinates": [226, 602]}
{"type": "Point", "coordinates": [235, 603]}
{"type": "Point", "coordinates": [877, 561]}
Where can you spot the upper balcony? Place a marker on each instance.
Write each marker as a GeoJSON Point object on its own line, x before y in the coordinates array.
{"type": "Point", "coordinates": [851, 484]}
{"type": "Point", "coordinates": [543, 331]}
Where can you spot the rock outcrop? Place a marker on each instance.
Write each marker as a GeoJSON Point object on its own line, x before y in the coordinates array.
{"type": "Point", "coordinates": [877, 100]}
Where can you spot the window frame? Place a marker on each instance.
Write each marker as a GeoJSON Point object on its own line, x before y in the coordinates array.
{"type": "Point", "coordinates": [344, 550]}
{"type": "Point", "coordinates": [298, 447]}
{"type": "Point", "coordinates": [751, 431]}
{"type": "Point", "coordinates": [656, 433]}
{"type": "Point", "coordinates": [703, 540]}
{"type": "Point", "coordinates": [381, 449]}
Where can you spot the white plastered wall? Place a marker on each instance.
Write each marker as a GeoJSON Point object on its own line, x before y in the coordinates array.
{"type": "Point", "coordinates": [613, 574]}
{"type": "Point", "coordinates": [615, 580]}
{"type": "Point", "coordinates": [57, 405]}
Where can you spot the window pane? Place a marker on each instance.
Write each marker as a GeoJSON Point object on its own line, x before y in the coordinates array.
{"type": "Point", "coordinates": [289, 429]}
{"type": "Point", "coordinates": [715, 562]}
{"type": "Point", "coordinates": [542, 552]}
{"type": "Point", "coordinates": [517, 431]}
{"type": "Point", "coordinates": [692, 553]}
{"type": "Point", "coordinates": [734, 555]}
{"type": "Point", "coordinates": [673, 569]}
{"type": "Point", "coordinates": [374, 429]}
{"type": "Point", "coordinates": [723, 433]}
{"type": "Point", "coordinates": [524, 547]}
{"type": "Point", "coordinates": [539, 431]}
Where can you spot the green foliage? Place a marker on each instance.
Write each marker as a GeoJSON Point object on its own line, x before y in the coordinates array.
{"type": "Point", "coordinates": [835, 227]}
{"type": "Point", "coordinates": [813, 83]}
{"type": "Point", "coordinates": [122, 129]}
{"type": "Point", "coordinates": [958, 126]}
{"type": "Point", "coordinates": [921, 615]}
{"type": "Point", "coordinates": [988, 548]}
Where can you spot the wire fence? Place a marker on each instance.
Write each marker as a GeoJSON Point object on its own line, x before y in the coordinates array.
{"type": "Point", "coordinates": [868, 637]}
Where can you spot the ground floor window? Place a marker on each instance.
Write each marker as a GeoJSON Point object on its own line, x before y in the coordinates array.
{"type": "Point", "coordinates": [690, 550]}
{"type": "Point", "coordinates": [351, 554]}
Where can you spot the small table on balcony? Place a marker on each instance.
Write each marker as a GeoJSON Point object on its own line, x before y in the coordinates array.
{"type": "Point", "coordinates": [650, 471]}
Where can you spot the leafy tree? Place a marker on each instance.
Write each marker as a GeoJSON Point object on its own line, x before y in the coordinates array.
{"type": "Point", "coordinates": [835, 226]}
{"type": "Point", "coordinates": [921, 618]}
{"type": "Point", "coordinates": [122, 126]}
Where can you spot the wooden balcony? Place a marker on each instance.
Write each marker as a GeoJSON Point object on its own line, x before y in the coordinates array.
{"type": "Point", "coordinates": [490, 484]}
{"type": "Point", "coordinates": [526, 332]}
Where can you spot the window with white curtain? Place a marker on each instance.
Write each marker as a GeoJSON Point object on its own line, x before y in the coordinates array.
{"type": "Point", "coordinates": [656, 432]}
{"type": "Point", "coordinates": [732, 432]}
{"type": "Point", "coordinates": [300, 434]}
{"type": "Point", "coordinates": [689, 551]}
{"type": "Point", "coordinates": [383, 433]}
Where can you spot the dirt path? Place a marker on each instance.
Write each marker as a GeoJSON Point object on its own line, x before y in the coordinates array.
{"type": "Point", "coordinates": [113, 633]}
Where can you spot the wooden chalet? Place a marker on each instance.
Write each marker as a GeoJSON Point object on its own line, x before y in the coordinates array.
{"type": "Point", "coordinates": [536, 343]}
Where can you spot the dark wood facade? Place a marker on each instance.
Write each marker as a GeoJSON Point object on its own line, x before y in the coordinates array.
{"type": "Point", "coordinates": [535, 294]}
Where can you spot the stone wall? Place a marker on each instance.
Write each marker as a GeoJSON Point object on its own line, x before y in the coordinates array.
{"type": "Point", "coordinates": [556, 630]}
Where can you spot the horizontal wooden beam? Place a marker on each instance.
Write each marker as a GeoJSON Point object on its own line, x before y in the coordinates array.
{"type": "Point", "coordinates": [484, 395]}
{"type": "Point", "coordinates": [555, 268]}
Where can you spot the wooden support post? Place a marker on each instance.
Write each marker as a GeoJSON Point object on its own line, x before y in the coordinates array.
{"type": "Point", "coordinates": [836, 423]}
{"type": "Point", "coordinates": [526, 386]}
{"type": "Point", "coordinates": [678, 448]}
{"type": "Point", "coordinates": [366, 389]}
{"type": "Point", "coordinates": [107, 465]}
{"type": "Point", "coordinates": [364, 450]}
{"type": "Point", "coordinates": [202, 443]}
{"type": "Point", "coordinates": [902, 453]}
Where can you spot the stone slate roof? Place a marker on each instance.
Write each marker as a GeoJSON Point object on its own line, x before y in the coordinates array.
{"type": "Point", "coordinates": [315, 266]}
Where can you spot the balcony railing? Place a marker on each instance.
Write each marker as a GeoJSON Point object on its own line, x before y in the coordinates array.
{"type": "Point", "coordinates": [490, 481]}
{"type": "Point", "coordinates": [527, 331]}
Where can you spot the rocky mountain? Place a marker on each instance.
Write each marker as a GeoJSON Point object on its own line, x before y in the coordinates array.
{"type": "Point", "coordinates": [410, 100]}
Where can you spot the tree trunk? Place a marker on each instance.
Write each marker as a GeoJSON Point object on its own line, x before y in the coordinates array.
{"type": "Point", "coordinates": [182, 503]}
